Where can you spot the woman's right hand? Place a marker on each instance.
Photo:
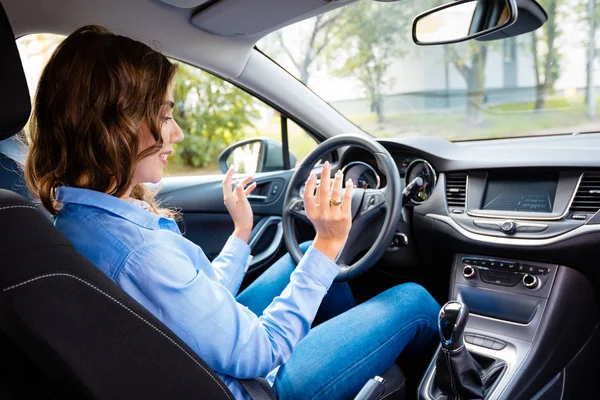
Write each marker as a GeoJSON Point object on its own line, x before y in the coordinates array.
{"type": "Point", "coordinates": [332, 222]}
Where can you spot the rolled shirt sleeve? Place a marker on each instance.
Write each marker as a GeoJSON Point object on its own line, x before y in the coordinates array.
{"type": "Point", "coordinates": [205, 314]}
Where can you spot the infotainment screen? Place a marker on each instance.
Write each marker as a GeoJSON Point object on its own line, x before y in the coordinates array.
{"type": "Point", "coordinates": [525, 192]}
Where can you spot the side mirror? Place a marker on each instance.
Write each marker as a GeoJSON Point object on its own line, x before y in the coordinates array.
{"type": "Point", "coordinates": [463, 20]}
{"type": "Point", "coordinates": [254, 155]}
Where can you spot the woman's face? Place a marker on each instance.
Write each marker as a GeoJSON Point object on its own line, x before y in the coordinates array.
{"type": "Point", "coordinates": [150, 169]}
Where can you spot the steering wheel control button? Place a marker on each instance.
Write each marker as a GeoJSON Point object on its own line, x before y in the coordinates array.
{"type": "Point", "coordinates": [530, 281]}
{"type": "Point", "coordinates": [508, 227]}
{"type": "Point", "coordinates": [469, 272]}
{"type": "Point", "coordinates": [373, 200]}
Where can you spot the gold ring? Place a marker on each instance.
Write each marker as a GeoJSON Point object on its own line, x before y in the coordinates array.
{"type": "Point", "coordinates": [334, 203]}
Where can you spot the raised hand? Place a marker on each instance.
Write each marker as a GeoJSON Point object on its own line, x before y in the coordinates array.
{"type": "Point", "coordinates": [236, 202]}
{"type": "Point", "coordinates": [329, 212]}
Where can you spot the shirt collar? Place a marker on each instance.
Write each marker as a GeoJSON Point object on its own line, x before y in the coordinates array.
{"type": "Point", "coordinates": [112, 204]}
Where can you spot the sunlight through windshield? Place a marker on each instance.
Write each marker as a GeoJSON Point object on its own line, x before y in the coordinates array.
{"type": "Point", "coordinates": [361, 59]}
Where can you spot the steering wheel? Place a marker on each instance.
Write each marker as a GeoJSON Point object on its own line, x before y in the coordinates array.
{"type": "Point", "coordinates": [366, 205]}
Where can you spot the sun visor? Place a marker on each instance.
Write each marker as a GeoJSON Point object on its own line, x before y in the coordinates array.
{"type": "Point", "coordinates": [15, 105]}
{"type": "Point", "coordinates": [257, 18]}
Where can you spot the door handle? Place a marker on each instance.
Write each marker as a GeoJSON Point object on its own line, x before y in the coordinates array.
{"type": "Point", "coordinates": [257, 198]}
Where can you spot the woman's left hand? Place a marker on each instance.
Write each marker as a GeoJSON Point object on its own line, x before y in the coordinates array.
{"type": "Point", "coordinates": [236, 201]}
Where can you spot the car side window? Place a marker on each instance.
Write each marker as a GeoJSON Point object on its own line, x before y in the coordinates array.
{"type": "Point", "coordinates": [212, 113]}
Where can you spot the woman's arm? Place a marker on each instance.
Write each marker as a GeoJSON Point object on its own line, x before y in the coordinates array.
{"type": "Point", "coordinates": [231, 264]}
{"type": "Point", "coordinates": [206, 316]}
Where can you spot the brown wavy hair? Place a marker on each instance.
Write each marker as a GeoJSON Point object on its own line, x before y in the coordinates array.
{"type": "Point", "coordinates": [94, 95]}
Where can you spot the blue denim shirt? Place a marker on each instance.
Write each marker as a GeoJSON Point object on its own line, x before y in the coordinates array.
{"type": "Point", "coordinates": [147, 256]}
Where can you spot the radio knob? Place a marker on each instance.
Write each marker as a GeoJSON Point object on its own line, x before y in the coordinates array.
{"type": "Point", "coordinates": [508, 227]}
{"type": "Point", "coordinates": [530, 281]}
{"type": "Point", "coordinates": [469, 272]}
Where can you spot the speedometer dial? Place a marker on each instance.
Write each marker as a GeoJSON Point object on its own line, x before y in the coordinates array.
{"type": "Point", "coordinates": [421, 168]}
{"type": "Point", "coordinates": [362, 174]}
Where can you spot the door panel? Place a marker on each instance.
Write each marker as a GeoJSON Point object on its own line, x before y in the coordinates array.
{"type": "Point", "coordinates": [207, 223]}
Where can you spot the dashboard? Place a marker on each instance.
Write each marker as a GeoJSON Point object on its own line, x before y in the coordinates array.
{"type": "Point", "coordinates": [530, 198]}
{"type": "Point", "coordinates": [363, 170]}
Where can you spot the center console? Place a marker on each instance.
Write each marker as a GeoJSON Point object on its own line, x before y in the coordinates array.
{"type": "Point", "coordinates": [530, 318]}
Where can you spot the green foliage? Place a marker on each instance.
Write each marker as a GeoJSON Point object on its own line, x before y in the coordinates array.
{"type": "Point", "coordinates": [212, 114]}
{"type": "Point", "coordinates": [371, 37]}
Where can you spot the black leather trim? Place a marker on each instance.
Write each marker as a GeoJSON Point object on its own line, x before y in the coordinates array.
{"type": "Point", "coordinates": [163, 334]}
{"type": "Point", "coordinates": [15, 105]}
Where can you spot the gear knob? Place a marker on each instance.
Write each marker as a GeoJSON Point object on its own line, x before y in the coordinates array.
{"type": "Point", "coordinates": [451, 324]}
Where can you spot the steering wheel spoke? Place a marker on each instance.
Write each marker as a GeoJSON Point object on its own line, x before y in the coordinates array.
{"type": "Point", "coordinates": [297, 210]}
{"type": "Point", "coordinates": [374, 201]}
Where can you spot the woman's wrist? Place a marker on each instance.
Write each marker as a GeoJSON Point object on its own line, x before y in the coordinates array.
{"type": "Point", "coordinates": [329, 247]}
{"type": "Point", "coordinates": [242, 233]}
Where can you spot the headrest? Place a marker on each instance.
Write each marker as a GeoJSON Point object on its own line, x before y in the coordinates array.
{"type": "Point", "coordinates": [15, 104]}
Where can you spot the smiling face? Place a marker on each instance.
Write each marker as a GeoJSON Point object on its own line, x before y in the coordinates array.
{"type": "Point", "coordinates": [150, 168]}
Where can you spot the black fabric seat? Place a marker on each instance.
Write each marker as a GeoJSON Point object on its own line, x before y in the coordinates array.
{"type": "Point", "coordinates": [66, 330]}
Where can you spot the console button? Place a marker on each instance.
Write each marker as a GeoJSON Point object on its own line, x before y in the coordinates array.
{"type": "Point", "coordinates": [498, 345]}
{"type": "Point", "coordinates": [514, 279]}
{"type": "Point", "coordinates": [469, 338]}
{"type": "Point", "coordinates": [478, 340]}
{"type": "Point", "coordinates": [579, 216]}
{"type": "Point", "coordinates": [488, 343]}
{"type": "Point", "coordinates": [541, 270]}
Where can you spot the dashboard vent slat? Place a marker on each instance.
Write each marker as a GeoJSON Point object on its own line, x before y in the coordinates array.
{"type": "Point", "coordinates": [456, 189]}
{"type": "Point", "coordinates": [587, 198]}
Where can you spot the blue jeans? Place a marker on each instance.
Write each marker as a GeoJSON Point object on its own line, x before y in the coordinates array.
{"type": "Point", "coordinates": [354, 343]}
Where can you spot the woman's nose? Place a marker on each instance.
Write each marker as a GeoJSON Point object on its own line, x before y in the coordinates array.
{"type": "Point", "coordinates": [176, 134]}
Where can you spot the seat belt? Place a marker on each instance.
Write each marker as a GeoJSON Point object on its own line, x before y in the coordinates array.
{"type": "Point", "coordinates": [258, 389]}
{"type": "Point", "coordinates": [14, 148]}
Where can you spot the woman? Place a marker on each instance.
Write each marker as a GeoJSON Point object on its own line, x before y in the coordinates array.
{"type": "Point", "coordinates": [103, 127]}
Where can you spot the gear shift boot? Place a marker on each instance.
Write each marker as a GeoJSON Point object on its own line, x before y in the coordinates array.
{"type": "Point", "coordinates": [457, 373]}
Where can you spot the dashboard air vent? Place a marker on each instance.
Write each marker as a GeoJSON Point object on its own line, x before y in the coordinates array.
{"type": "Point", "coordinates": [587, 198]}
{"type": "Point", "coordinates": [456, 189]}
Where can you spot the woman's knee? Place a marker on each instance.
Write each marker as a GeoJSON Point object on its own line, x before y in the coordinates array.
{"type": "Point", "coordinates": [416, 298]}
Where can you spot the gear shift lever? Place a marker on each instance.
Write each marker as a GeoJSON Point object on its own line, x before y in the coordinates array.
{"type": "Point", "coordinates": [457, 373]}
{"type": "Point", "coordinates": [451, 324]}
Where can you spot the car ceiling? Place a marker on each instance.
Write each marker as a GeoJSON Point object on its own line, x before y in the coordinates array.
{"type": "Point", "coordinates": [215, 35]}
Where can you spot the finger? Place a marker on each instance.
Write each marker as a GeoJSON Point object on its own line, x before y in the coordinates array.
{"type": "Point", "coordinates": [250, 188]}
{"type": "Point", "coordinates": [347, 203]}
{"type": "Point", "coordinates": [247, 180]}
{"type": "Point", "coordinates": [325, 185]}
{"type": "Point", "coordinates": [227, 183]}
{"type": "Point", "coordinates": [239, 190]}
{"type": "Point", "coordinates": [309, 197]}
{"type": "Point", "coordinates": [336, 193]}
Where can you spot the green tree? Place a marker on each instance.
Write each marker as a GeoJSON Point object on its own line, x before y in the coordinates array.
{"type": "Point", "coordinates": [307, 48]}
{"type": "Point", "coordinates": [212, 114]}
{"type": "Point", "coordinates": [545, 53]}
{"type": "Point", "coordinates": [471, 65]}
{"type": "Point", "coordinates": [371, 37]}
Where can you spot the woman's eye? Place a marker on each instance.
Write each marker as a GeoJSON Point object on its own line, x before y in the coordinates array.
{"type": "Point", "coordinates": [167, 119]}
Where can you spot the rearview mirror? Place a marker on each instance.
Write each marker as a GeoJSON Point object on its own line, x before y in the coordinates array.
{"type": "Point", "coordinates": [462, 20]}
{"type": "Point", "coordinates": [254, 155]}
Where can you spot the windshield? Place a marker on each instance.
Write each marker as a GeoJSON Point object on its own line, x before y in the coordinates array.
{"type": "Point", "coordinates": [361, 59]}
